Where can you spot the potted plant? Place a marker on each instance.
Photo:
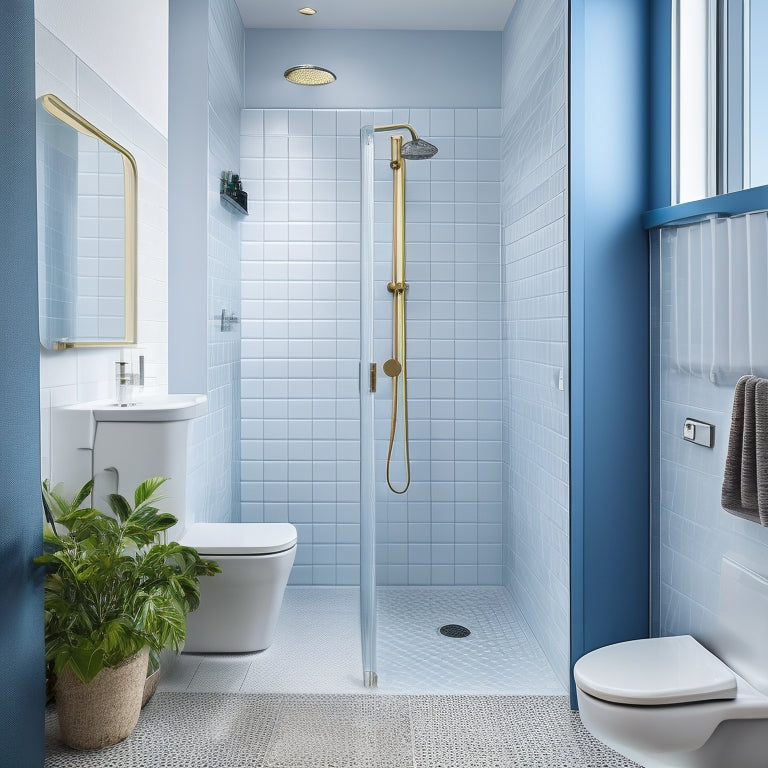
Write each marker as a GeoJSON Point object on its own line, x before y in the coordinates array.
{"type": "Point", "coordinates": [115, 591]}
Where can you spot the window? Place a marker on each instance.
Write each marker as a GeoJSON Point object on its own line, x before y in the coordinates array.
{"type": "Point", "coordinates": [720, 110]}
{"type": "Point", "coordinates": [756, 106]}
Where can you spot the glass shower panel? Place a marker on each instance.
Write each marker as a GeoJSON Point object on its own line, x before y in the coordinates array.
{"type": "Point", "coordinates": [367, 388]}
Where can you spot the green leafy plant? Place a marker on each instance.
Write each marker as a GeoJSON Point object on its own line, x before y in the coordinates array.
{"type": "Point", "coordinates": [113, 583]}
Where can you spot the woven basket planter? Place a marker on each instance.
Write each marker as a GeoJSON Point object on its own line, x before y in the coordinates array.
{"type": "Point", "coordinates": [96, 714]}
{"type": "Point", "coordinates": [150, 686]}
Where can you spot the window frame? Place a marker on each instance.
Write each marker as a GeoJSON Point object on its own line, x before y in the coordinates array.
{"type": "Point", "coordinates": [727, 95]}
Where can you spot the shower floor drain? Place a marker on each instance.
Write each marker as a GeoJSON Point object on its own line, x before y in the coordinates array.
{"type": "Point", "coordinates": [454, 630]}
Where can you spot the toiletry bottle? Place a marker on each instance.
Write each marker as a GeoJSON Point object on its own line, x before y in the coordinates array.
{"type": "Point", "coordinates": [121, 383]}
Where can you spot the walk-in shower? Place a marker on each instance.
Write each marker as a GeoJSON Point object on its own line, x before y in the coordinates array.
{"type": "Point", "coordinates": [430, 448]}
{"type": "Point", "coordinates": [317, 259]}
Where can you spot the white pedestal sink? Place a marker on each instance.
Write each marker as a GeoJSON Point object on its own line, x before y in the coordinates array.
{"type": "Point", "coordinates": [121, 446]}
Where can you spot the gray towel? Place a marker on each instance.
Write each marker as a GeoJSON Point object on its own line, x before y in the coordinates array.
{"type": "Point", "coordinates": [749, 448]}
{"type": "Point", "coordinates": [761, 448]}
{"type": "Point", "coordinates": [745, 481]}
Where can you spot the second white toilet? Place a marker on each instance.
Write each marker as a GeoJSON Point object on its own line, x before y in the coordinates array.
{"type": "Point", "coordinates": [670, 702]}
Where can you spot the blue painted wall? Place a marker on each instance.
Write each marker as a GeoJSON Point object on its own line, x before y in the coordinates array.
{"type": "Point", "coordinates": [374, 68]}
{"type": "Point", "coordinates": [22, 666]}
{"type": "Point", "coordinates": [609, 323]}
{"type": "Point", "coordinates": [660, 52]}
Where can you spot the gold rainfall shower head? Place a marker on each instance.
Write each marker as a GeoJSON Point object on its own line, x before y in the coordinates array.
{"type": "Point", "coordinates": [309, 74]}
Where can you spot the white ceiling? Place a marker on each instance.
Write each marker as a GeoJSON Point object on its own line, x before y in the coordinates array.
{"type": "Point", "coordinates": [485, 15]}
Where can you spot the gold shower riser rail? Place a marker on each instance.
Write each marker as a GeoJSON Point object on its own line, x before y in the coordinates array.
{"type": "Point", "coordinates": [396, 366]}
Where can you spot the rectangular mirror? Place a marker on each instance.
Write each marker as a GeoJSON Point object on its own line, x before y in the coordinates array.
{"type": "Point", "coordinates": [86, 190]}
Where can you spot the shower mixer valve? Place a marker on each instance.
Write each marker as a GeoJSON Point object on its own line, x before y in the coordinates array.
{"type": "Point", "coordinates": [392, 368]}
{"type": "Point", "coordinates": [228, 320]}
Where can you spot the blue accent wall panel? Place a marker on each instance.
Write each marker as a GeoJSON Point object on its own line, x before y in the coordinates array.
{"type": "Point", "coordinates": [22, 665]}
{"type": "Point", "coordinates": [609, 324]}
{"type": "Point", "coordinates": [660, 52]}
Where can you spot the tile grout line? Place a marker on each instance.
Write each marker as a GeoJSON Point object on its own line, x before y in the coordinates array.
{"type": "Point", "coordinates": [245, 677]}
{"type": "Point", "coordinates": [192, 676]}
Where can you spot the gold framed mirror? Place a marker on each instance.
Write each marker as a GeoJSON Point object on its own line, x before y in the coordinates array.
{"type": "Point", "coordinates": [87, 232]}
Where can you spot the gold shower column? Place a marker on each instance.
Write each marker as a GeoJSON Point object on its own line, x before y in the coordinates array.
{"type": "Point", "coordinates": [395, 367]}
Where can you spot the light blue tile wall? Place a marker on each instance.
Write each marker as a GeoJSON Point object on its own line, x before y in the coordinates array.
{"type": "Point", "coordinates": [535, 322]}
{"type": "Point", "coordinates": [447, 528]}
{"type": "Point", "coordinates": [300, 269]}
{"type": "Point", "coordinates": [225, 99]}
{"type": "Point", "coordinates": [694, 531]}
{"type": "Point", "coordinates": [300, 343]}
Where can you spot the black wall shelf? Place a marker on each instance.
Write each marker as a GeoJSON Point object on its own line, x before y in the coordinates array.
{"type": "Point", "coordinates": [238, 204]}
{"type": "Point", "coordinates": [232, 193]}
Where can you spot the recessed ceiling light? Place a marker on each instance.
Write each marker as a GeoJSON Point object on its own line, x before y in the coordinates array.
{"type": "Point", "coordinates": [307, 11]}
{"type": "Point", "coordinates": [309, 74]}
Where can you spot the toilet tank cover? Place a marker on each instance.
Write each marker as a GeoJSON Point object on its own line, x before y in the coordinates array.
{"type": "Point", "coordinates": [659, 670]}
{"type": "Point", "coordinates": [239, 538]}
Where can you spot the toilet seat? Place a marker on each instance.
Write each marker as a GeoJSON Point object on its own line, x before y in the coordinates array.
{"type": "Point", "coordinates": [654, 672]}
{"type": "Point", "coordinates": [223, 539]}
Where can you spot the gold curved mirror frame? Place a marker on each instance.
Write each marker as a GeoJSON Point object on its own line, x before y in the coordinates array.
{"type": "Point", "coordinates": [87, 232]}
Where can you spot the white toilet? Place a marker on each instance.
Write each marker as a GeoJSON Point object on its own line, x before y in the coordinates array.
{"type": "Point", "coordinates": [239, 607]}
{"type": "Point", "coordinates": [669, 701]}
{"type": "Point", "coordinates": [121, 447]}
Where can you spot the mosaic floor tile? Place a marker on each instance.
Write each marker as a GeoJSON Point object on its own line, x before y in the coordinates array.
{"type": "Point", "coordinates": [192, 730]}
{"type": "Point", "coordinates": [317, 647]}
{"type": "Point", "coordinates": [181, 730]}
{"type": "Point", "coordinates": [504, 732]}
{"type": "Point", "coordinates": [178, 671]}
{"type": "Point", "coordinates": [334, 731]}
{"type": "Point", "coordinates": [316, 650]}
{"type": "Point", "coordinates": [301, 703]}
{"type": "Point", "coordinates": [500, 655]}
{"type": "Point", "coordinates": [220, 674]}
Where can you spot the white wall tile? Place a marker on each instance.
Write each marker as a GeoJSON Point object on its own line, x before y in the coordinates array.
{"type": "Point", "coordinates": [694, 531]}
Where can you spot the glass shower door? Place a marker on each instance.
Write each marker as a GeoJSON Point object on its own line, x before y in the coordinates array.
{"type": "Point", "coordinates": [367, 389]}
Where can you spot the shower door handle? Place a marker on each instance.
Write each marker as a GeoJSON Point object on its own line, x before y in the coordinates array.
{"type": "Point", "coordinates": [372, 377]}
